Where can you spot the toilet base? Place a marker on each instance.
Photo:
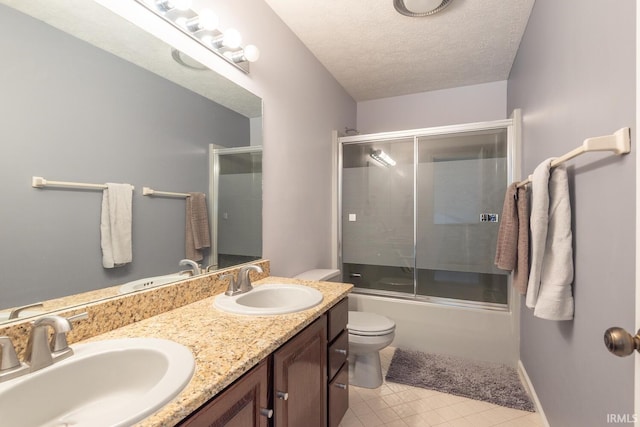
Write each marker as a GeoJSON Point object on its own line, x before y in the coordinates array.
{"type": "Point", "coordinates": [365, 370]}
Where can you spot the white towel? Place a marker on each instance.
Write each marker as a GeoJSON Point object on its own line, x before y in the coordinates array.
{"type": "Point", "coordinates": [538, 222]}
{"type": "Point", "coordinates": [549, 289]}
{"type": "Point", "coordinates": [115, 225]}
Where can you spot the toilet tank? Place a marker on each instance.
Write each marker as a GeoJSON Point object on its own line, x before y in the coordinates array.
{"type": "Point", "coordinates": [325, 275]}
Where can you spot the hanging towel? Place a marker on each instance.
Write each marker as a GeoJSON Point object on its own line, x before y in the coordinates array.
{"type": "Point", "coordinates": [555, 300]}
{"type": "Point", "coordinates": [551, 274]}
{"type": "Point", "coordinates": [115, 225]}
{"type": "Point", "coordinates": [197, 226]}
{"type": "Point", "coordinates": [521, 270]}
{"type": "Point", "coordinates": [539, 222]}
{"type": "Point", "coordinates": [507, 245]}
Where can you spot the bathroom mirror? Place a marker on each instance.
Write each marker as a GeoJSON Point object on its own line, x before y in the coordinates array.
{"type": "Point", "coordinates": [89, 97]}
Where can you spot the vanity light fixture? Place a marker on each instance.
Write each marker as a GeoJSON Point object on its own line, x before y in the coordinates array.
{"type": "Point", "coordinates": [382, 157]}
{"type": "Point", "coordinates": [203, 27]}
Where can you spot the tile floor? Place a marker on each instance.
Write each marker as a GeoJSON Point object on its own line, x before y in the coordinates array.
{"type": "Point", "coordinates": [397, 405]}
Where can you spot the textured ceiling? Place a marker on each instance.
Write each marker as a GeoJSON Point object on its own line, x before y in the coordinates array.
{"type": "Point", "coordinates": [374, 52]}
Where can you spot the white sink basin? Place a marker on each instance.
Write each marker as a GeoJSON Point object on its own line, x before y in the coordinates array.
{"type": "Point", "coordinates": [106, 383]}
{"type": "Point", "coordinates": [150, 282]}
{"type": "Point", "coordinates": [270, 299]}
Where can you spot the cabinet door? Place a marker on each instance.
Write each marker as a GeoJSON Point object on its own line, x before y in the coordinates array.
{"type": "Point", "coordinates": [300, 379]}
{"type": "Point", "coordinates": [238, 406]}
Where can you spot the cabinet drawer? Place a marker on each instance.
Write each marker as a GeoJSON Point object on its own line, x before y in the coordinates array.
{"type": "Point", "coordinates": [337, 318]}
{"type": "Point", "coordinates": [339, 396]}
{"type": "Point", "coordinates": [338, 353]}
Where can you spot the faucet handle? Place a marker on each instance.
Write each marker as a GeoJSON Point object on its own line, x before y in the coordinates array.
{"type": "Point", "coordinates": [9, 358]}
{"type": "Point", "coordinates": [10, 366]}
{"type": "Point", "coordinates": [233, 284]}
{"type": "Point", "coordinates": [59, 339]}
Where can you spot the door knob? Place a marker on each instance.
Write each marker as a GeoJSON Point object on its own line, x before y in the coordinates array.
{"type": "Point", "coordinates": [620, 342]}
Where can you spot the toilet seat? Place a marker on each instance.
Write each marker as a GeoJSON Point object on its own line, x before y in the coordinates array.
{"type": "Point", "coordinates": [369, 324]}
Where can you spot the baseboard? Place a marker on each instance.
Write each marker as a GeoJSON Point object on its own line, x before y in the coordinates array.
{"type": "Point", "coordinates": [526, 381]}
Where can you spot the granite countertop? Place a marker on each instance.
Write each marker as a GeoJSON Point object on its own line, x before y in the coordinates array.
{"type": "Point", "coordinates": [224, 345]}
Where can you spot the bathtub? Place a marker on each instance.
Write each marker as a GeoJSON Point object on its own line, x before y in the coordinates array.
{"type": "Point", "coordinates": [471, 333]}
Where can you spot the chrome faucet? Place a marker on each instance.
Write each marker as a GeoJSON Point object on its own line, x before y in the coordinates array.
{"type": "Point", "coordinates": [41, 353]}
{"type": "Point", "coordinates": [244, 281]}
{"type": "Point", "coordinates": [195, 268]}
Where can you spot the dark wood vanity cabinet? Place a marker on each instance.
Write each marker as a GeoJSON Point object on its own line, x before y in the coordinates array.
{"type": "Point", "coordinates": [242, 404]}
{"type": "Point", "coordinates": [300, 379]}
{"type": "Point", "coordinates": [308, 386]}
{"type": "Point", "coordinates": [337, 366]}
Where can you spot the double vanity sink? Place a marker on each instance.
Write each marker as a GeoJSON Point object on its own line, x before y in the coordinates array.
{"type": "Point", "coordinates": [197, 351]}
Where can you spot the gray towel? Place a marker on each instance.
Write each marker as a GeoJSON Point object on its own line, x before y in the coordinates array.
{"type": "Point", "coordinates": [507, 245]}
{"type": "Point", "coordinates": [521, 270]}
{"type": "Point", "coordinates": [197, 226]}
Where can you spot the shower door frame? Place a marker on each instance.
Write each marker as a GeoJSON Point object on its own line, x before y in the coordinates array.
{"type": "Point", "coordinates": [215, 151]}
{"type": "Point", "coordinates": [513, 172]}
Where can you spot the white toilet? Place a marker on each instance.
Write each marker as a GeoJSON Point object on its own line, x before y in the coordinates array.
{"type": "Point", "coordinates": [368, 334]}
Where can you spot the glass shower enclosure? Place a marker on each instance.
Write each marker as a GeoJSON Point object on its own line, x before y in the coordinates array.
{"type": "Point", "coordinates": [420, 212]}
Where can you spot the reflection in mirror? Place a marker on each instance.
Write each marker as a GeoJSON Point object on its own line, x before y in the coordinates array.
{"type": "Point", "coordinates": [236, 204]}
{"type": "Point", "coordinates": [73, 112]}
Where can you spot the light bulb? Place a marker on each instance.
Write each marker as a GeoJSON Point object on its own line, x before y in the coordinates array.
{"type": "Point", "coordinates": [251, 53]}
{"type": "Point", "coordinates": [181, 4]}
{"type": "Point", "coordinates": [208, 20]}
{"type": "Point", "coordinates": [232, 38]}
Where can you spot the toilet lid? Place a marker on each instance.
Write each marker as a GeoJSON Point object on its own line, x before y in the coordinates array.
{"type": "Point", "coordinates": [363, 323]}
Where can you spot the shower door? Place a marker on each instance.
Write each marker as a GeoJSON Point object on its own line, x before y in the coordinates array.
{"type": "Point", "coordinates": [378, 214]}
{"type": "Point", "coordinates": [461, 182]}
{"type": "Point", "coordinates": [420, 215]}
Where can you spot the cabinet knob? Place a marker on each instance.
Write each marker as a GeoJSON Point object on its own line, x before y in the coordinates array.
{"type": "Point", "coordinates": [341, 351]}
{"type": "Point", "coordinates": [266, 412]}
{"type": "Point", "coordinates": [341, 386]}
{"type": "Point", "coordinates": [282, 395]}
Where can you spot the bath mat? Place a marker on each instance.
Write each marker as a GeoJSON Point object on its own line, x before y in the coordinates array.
{"type": "Point", "coordinates": [490, 382]}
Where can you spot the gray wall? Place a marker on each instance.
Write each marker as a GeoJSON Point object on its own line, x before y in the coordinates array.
{"type": "Point", "coordinates": [468, 104]}
{"type": "Point", "coordinates": [302, 103]}
{"type": "Point", "coordinates": [71, 112]}
{"type": "Point", "coordinates": [574, 77]}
